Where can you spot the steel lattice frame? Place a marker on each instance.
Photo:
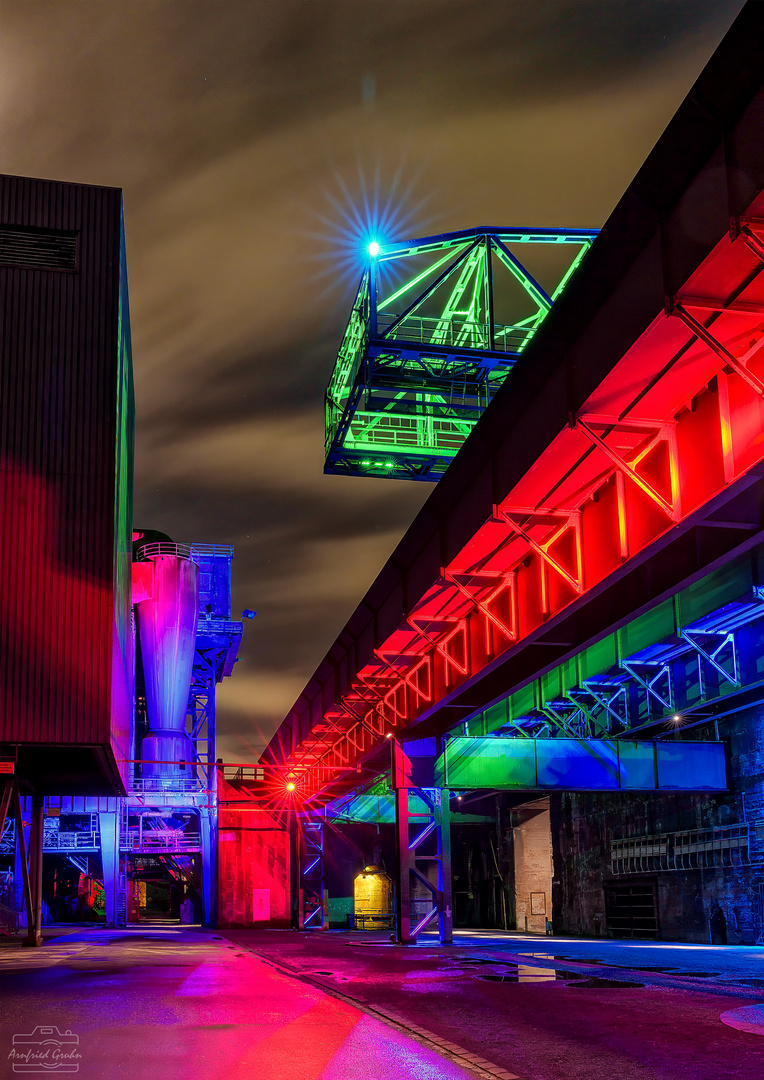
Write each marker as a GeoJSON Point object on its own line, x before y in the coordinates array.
{"type": "Point", "coordinates": [694, 673]}
{"type": "Point", "coordinates": [312, 873]}
{"type": "Point", "coordinates": [685, 422]}
{"type": "Point", "coordinates": [408, 387]}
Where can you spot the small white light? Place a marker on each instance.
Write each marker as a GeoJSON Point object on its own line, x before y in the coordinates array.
{"type": "Point", "coordinates": [389, 735]}
{"type": "Point", "coordinates": [676, 718]}
{"type": "Point", "coordinates": [374, 249]}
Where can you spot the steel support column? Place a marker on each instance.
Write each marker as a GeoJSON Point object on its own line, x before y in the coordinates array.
{"type": "Point", "coordinates": [295, 892]}
{"type": "Point", "coordinates": [443, 833]}
{"type": "Point", "coordinates": [21, 854]}
{"type": "Point", "coordinates": [401, 783]}
{"type": "Point", "coordinates": [403, 861]}
{"type": "Point", "coordinates": [108, 827]}
{"type": "Point", "coordinates": [208, 835]}
{"type": "Point", "coordinates": [34, 910]}
{"type": "Point", "coordinates": [312, 874]}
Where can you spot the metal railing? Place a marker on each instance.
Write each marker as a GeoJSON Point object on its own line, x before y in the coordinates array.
{"type": "Point", "coordinates": [158, 840]}
{"type": "Point", "coordinates": [163, 547]}
{"type": "Point", "coordinates": [170, 784]}
{"type": "Point", "coordinates": [55, 840]}
{"type": "Point", "coordinates": [695, 849]}
{"type": "Point", "coordinates": [9, 920]}
{"type": "Point", "coordinates": [367, 921]}
{"type": "Point", "coordinates": [458, 333]}
{"type": "Point", "coordinates": [212, 549]}
{"type": "Point", "coordinates": [244, 772]}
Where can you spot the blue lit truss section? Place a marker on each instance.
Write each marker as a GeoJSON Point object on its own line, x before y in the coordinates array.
{"type": "Point", "coordinates": [436, 326]}
{"type": "Point", "coordinates": [678, 666]}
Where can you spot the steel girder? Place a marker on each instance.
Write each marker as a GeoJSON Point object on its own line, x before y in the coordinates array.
{"type": "Point", "coordinates": [693, 674]}
{"type": "Point", "coordinates": [619, 480]}
{"type": "Point", "coordinates": [312, 873]}
{"type": "Point", "coordinates": [423, 353]}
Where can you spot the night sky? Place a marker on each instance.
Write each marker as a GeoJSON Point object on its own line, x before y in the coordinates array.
{"type": "Point", "coordinates": [248, 138]}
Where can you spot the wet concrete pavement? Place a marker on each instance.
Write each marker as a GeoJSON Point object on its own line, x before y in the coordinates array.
{"type": "Point", "coordinates": [549, 1008]}
{"type": "Point", "coordinates": [184, 1003]}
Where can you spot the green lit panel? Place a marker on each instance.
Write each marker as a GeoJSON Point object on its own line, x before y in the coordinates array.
{"type": "Point", "coordinates": [435, 329]}
{"type": "Point", "coordinates": [490, 763]}
{"type": "Point", "coordinates": [581, 765]}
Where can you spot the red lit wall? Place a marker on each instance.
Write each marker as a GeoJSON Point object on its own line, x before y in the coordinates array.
{"type": "Point", "coordinates": [66, 435]}
{"type": "Point", "coordinates": [253, 868]}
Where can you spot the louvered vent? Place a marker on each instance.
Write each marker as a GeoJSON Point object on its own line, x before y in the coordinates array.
{"type": "Point", "coordinates": [39, 249]}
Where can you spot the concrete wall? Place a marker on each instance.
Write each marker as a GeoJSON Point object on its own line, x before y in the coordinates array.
{"type": "Point", "coordinates": [692, 905]}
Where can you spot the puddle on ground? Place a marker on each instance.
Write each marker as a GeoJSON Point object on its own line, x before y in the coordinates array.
{"type": "Point", "coordinates": [533, 974]}
{"type": "Point", "coordinates": [694, 974]}
{"type": "Point", "coordinates": [481, 960]}
{"type": "Point", "coordinates": [371, 944]}
{"type": "Point", "coordinates": [606, 984]}
{"type": "Point", "coordinates": [576, 959]}
{"type": "Point", "coordinates": [551, 977]}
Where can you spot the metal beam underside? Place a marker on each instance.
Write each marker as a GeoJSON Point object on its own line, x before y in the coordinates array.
{"type": "Point", "coordinates": [658, 674]}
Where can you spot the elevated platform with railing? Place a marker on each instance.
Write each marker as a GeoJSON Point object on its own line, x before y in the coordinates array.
{"type": "Point", "coordinates": [435, 329]}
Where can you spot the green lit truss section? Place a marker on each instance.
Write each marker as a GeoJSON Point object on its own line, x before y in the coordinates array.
{"type": "Point", "coordinates": [436, 326]}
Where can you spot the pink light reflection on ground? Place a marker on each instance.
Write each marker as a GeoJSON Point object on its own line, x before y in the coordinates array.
{"type": "Point", "coordinates": [180, 1002]}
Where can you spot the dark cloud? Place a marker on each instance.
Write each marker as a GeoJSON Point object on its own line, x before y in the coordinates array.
{"type": "Point", "coordinates": [245, 135]}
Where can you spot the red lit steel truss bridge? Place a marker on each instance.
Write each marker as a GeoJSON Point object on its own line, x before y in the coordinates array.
{"type": "Point", "coordinates": [436, 327]}
{"type": "Point", "coordinates": [590, 565]}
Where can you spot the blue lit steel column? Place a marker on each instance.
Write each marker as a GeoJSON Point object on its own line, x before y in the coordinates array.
{"type": "Point", "coordinates": [312, 874]}
{"type": "Point", "coordinates": [21, 846]}
{"type": "Point", "coordinates": [295, 890]}
{"type": "Point", "coordinates": [34, 914]}
{"type": "Point", "coordinates": [208, 830]}
{"type": "Point", "coordinates": [108, 827]}
{"type": "Point", "coordinates": [401, 778]}
{"type": "Point", "coordinates": [443, 832]}
{"type": "Point", "coordinates": [20, 869]}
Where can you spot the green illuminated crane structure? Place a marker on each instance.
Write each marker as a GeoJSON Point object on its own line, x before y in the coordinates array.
{"type": "Point", "coordinates": [436, 326]}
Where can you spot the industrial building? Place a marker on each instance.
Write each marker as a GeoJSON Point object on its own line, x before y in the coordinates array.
{"type": "Point", "coordinates": [112, 639]}
{"type": "Point", "coordinates": [547, 713]}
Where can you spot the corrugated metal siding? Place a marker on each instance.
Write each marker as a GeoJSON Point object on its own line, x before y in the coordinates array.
{"type": "Point", "coordinates": [123, 662]}
{"type": "Point", "coordinates": [63, 378]}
